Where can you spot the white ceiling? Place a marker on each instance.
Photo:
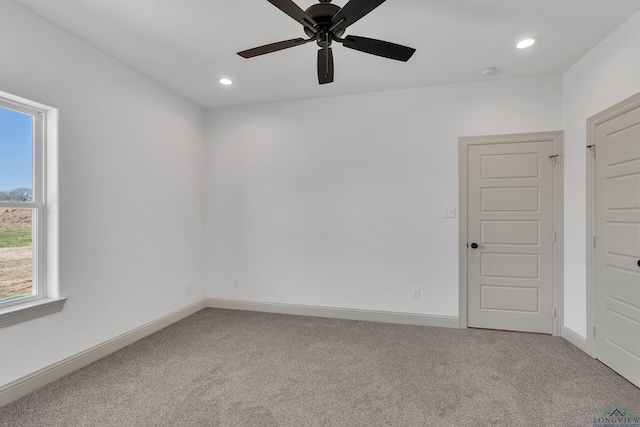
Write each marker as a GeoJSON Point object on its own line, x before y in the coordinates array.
{"type": "Point", "coordinates": [188, 45]}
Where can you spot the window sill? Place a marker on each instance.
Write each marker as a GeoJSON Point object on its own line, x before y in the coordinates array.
{"type": "Point", "coordinates": [31, 310]}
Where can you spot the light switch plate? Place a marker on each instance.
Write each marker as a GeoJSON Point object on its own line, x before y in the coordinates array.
{"type": "Point", "coordinates": [449, 212]}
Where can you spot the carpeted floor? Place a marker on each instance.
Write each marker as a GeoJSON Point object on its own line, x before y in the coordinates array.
{"type": "Point", "coordinates": [233, 368]}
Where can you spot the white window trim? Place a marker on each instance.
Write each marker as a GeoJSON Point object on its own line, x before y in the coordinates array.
{"type": "Point", "coordinates": [45, 201]}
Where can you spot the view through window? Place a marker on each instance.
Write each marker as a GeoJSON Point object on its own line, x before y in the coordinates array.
{"type": "Point", "coordinates": [17, 213]}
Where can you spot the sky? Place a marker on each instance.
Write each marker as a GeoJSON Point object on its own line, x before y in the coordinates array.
{"type": "Point", "coordinates": [15, 150]}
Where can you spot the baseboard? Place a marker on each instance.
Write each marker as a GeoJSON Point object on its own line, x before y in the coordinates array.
{"type": "Point", "coordinates": [337, 313]}
{"type": "Point", "coordinates": [38, 379]}
{"type": "Point", "coordinates": [574, 339]}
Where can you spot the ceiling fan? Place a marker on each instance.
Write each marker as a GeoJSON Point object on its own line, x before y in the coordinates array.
{"type": "Point", "coordinates": [325, 23]}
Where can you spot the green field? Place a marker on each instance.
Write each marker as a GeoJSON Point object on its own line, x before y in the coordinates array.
{"type": "Point", "coordinates": [15, 237]}
{"type": "Point", "coordinates": [15, 261]}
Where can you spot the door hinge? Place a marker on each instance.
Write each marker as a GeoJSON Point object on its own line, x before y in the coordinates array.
{"type": "Point", "coordinates": [594, 241]}
{"type": "Point", "coordinates": [594, 331]}
{"type": "Point", "coordinates": [592, 148]}
{"type": "Point", "coordinates": [555, 313]}
{"type": "Point", "coordinates": [555, 237]}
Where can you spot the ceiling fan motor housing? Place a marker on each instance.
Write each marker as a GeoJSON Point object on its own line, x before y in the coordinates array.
{"type": "Point", "coordinates": [322, 13]}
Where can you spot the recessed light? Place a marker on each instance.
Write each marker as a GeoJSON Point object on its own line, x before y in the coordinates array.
{"type": "Point", "coordinates": [523, 44]}
{"type": "Point", "coordinates": [226, 82]}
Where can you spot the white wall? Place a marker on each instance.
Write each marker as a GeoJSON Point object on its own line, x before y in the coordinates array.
{"type": "Point", "coordinates": [338, 202]}
{"type": "Point", "coordinates": [607, 75]}
{"type": "Point", "coordinates": [131, 192]}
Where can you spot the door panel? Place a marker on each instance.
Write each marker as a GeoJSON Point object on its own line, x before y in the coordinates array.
{"type": "Point", "coordinates": [508, 298]}
{"type": "Point", "coordinates": [509, 265]}
{"type": "Point", "coordinates": [510, 232]}
{"type": "Point", "coordinates": [622, 285]}
{"type": "Point", "coordinates": [510, 217]}
{"type": "Point", "coordinates": [624, 239]}
{"type": "Point", "coordinates": [624, 192]}
{"type": "Point", "coordinates": [510, 166]}
{"type": "Point", "coordinates": [624, 333]}
{"type": "Point", "coordinates": [617, 253]}
{"type": "Point", "coordinates": [622, 144]}
{"type": "Point", "coordinates": [510, 199]}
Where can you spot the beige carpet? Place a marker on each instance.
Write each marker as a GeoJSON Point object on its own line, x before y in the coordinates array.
{"type": "Point", "coordinates": [232, 368]}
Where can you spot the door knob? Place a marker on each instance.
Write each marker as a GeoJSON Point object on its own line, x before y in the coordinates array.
{"type": "Point", "coordinates": [475, 246]}
{"type": "Point", "coordinates": [638, 263]}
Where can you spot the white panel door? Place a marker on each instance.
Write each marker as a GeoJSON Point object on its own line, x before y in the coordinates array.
{"type": "Point", "coordinates": [617, 252]}
{"type": "Point", "coordinates": [510, 219]}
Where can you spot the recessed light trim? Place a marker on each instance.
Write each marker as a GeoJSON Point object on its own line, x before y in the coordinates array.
{"type": "Point", "coordinates": [527, 43]}
{"type": "Point", "coordinates": [226, 82]}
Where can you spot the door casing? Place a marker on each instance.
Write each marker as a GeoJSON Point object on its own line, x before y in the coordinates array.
{"type": "Point", "coordinates": [463, 144]}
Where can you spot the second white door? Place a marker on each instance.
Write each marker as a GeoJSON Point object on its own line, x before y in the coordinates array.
{"type": "Point", "coordinates": [617, 252]}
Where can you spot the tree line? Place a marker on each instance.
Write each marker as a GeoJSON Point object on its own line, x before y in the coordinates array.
{"type": "Point", "coordinates": [21, 194]}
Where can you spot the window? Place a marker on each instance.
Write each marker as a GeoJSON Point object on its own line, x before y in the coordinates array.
{"type": "Point", "coordinates": [25, 291]}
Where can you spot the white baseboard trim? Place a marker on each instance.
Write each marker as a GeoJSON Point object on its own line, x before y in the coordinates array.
{"type": "Point", "coordinates": [574, 339]}
{"type": "Point", "coordinates": [336, 313]}
{"type": "Point", "coordinates": [25, 385]}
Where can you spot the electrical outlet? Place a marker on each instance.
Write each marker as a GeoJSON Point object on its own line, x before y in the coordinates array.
{"type": "Point", "coordinates": [236, 282]}
{"type": "Point", "coordinates": [188, 286]}
{"type": "Point", "coordinates": [415, 293]}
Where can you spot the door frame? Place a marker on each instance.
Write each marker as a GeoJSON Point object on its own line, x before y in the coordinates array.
{"type": "Point", "coordinates": [610, 113]}
{"type": "Point", "coordinates": [558, 215]}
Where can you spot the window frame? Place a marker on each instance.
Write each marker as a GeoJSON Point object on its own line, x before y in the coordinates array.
{"type": "Point", "coordinates": [45, 297]}
{"type": "Point", "coordinates": [37, 206]}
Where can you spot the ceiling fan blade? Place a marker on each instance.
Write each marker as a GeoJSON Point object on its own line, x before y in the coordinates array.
{"type": "Point", "coordinates": [379, 47]}
{"type": "Point", "coordinates": [352, 12]}
{"type": "Point", "coordinates": [273, 47]}
{"type": "Point", "coordinates": [294, 11]}
{"type": "Point", "coordinates": [325, 65]}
